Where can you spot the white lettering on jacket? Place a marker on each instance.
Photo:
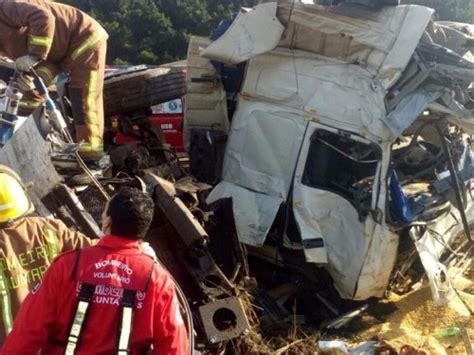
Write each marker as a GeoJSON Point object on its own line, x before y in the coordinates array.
{"type": "Point", "coordinates": [118, 264]}
{"type": "Point", "coordinates": [111, 276]}
{"type": "Point", "coordinates": [106, 294]}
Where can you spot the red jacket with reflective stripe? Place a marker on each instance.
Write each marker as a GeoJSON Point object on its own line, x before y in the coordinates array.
{"type": "Point", "coordinates": [44, 319]}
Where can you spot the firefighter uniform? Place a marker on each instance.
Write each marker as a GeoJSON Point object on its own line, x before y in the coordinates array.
{"type": "Point", "coordinates": [69, 41]}
{"type": "Point", "coordinates": [127, 300]}
{"type": "Point", "coordinates": [27, 248]}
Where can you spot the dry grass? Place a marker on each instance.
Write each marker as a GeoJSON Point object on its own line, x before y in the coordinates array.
{"type": "Point", "coordinates": [287, 339]}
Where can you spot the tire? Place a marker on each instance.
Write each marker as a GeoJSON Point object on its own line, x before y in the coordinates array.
{"type": "Point", "coordinates": [125, 93]}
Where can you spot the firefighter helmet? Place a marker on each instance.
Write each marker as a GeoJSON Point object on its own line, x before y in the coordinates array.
{"type": "Point", "coordinates": [14, 201]}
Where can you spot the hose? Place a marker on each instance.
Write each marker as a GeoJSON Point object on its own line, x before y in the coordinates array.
{"type": "Point", "coordinates": [51, 108]}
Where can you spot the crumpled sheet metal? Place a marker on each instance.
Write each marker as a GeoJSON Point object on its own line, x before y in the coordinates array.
{"type": "Point", "coordinates": [255, 32]}
{"type": "Point", "coordinates": [382, 40]}
{"type": "Point", "coordinates": [181, 218]}
{"type": "Point", "coordinates": [409, 109]}
{"type": "Point", "coordinates": [253, 213]}
{"type": "Point", "coordinates": [322, 88]}
{"type": "Point", "coordinates": [453, 35]}
{"type": "Point", "coordinates": [232, 308]}
{"type": "Point", "coordinates": [269, 127]}
{"type": "Point", "coordinates": [431, 246]}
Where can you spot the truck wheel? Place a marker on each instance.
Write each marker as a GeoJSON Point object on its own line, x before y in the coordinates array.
{"type": "Point", "coordinates": [125, 93]}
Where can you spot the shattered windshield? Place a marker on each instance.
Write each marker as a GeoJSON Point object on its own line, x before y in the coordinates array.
{"type": "Point", "coordinates": [344, 166]}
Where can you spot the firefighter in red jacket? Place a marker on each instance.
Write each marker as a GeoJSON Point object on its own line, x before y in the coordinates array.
{"type": "Point", "coordinates": [108, 298]}
{"type": "Point", "coordinates": [64, 39]}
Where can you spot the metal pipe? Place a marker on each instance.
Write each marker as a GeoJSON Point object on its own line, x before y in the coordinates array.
{"type": "Point", "coordinates": [454, 180]}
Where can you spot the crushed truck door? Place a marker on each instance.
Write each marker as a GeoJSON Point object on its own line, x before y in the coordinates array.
{"type": "Point", "coordinates": [334, 202]}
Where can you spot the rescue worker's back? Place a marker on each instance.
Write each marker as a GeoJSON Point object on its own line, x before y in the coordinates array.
{"type": "Point", "coordinates": [118, 299]}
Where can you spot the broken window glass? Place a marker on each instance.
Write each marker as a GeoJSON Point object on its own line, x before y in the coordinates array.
{"type": "Point", "coordinates": [344, 166]}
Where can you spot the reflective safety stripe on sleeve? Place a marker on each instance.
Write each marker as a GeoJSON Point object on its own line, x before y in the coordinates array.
{"type": "Point", "coordinates": [30, 103]}
{"type": "Point", "coordinates": [47, 73]}
{"type": "Point", "coordinates": [52, 240]}
{"type": "Point", "coordinates": [6, 303]}
{"type": "Point", "coordinates": [41, 41]}
{"type": "Point", "coordinates": [86, 147]}
{"type": "Point", "coordinates": [77, 323]}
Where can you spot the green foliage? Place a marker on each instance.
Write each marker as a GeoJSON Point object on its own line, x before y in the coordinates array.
{"type": "Point", "coordinates": [449, 10]}
{"type": "Point", "coordinates": [155, 31]}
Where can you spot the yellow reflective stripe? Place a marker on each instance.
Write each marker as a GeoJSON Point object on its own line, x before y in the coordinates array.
{"type": "Point", "coordinates": [41, 41]}
{"type": "Point", "coordinates": [88, 43]}
{"type": "Point", "coordinates": [95, 141]}
{"type": "Point", "coordinates": [52, 241]}
{"type": "Point", "coordinates": [48, 73]}
{"type": "Point", "coordinates": [29, 103]}
{"type": "Point", "coordinates": [6, 303]}
{"type": "Point", "coordinates": [86, 147]}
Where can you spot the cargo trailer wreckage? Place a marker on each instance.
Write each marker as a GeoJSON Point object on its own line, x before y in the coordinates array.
{"type": "Point", "coordinates": [328, 145]}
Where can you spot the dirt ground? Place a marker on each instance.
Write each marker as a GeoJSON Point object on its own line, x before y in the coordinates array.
{"type": "Point", "coordinates": [417, 318]}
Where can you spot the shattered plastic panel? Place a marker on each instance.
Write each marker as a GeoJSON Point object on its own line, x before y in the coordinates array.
{"type": "Point", "coordinates": [252, 33]}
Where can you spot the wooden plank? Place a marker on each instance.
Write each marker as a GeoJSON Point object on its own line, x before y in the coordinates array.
{"type": "Point", "coordinates": [27, 153]}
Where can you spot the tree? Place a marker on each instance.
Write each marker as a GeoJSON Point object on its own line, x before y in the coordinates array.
{"type": "Point", "coordinates": [155, 31]}
{"type": "Point", "coordinates": [449, 10]}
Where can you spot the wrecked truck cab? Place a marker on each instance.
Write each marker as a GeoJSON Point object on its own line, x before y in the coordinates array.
{"type": "Point", "coordinates": [315, 140]}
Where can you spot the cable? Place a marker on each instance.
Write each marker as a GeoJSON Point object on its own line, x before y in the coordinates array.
{"type": "Point", "coordinates": [53, 111]}
{"type": "Point", "coordinates": [185, 304]}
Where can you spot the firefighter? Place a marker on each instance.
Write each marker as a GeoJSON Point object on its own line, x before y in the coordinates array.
{"type": "Point", "coordinates": [105, 299]}
{"type": "Point", "coordinates": [27, 246]}
{"type": "Point", "coordinates": [61, 39]}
